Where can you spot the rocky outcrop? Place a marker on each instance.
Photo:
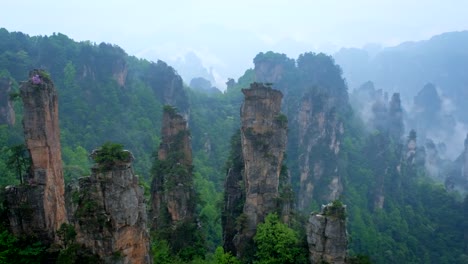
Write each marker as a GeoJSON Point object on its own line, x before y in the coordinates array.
{"type": "Point", "coordinates": [168, 86]}
{"type": "Point", "coordinates": [395, 118]}
{"type": "Point", "coordinates": [271, 67]}
{"type": "Point", "coordinates": [171, 188]}
{"type": "Point", "coordinates": [234, 195]}
{"type": "Point", "coordinates": [326, 235]}
{"type": "Point", "coordinates": [457, 179]}
{"type": "Point", "coordinates": [42, 197]}
{"type": "Point", "coordinates": [120, 72]}
{"type": "Point", "coordinates": [314, 96]}
{"type": "Point", "coordinates": [7, 113]}
{"type": "Point", "coordinates": [173, 197]}
{"type": "Point", "coordinates": [319, 139]}
{"type": "Point", "coordinates": [109, 214]}
{"type": "Point", "coordinates": [263, 140]}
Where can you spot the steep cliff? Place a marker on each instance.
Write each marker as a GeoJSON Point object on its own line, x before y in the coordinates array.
{"type": "Point", "coordinates": [234, 195]}
{"type": "Point", "coordinates": [173, 197]}
{"type": "Point", "coordinates": [395, 118]}
{"type": "Point", "coordinates": [109, 211]}
{"type": "Point", "coordinates": [39, 206]}
{"type": "Point", "coordinates": [457, 179]}
{"type": "Point", "coordinates": [263, 140]}
{"type": "Point", "coordinates": [7, 113]}
{"type": "Point", "coordinates": [315, 97]}
{"type": "Point", "coordinates": [327, 236]}
{"type": "Point", "coordinates": [319, 140]}
{"type": "Point", "coordinates": [385, 145]}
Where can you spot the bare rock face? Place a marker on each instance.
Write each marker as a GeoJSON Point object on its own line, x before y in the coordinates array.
{"type": "Point", "coordinates": [263, 137]}
{"type": "Point", "coordinates": [172, 189]}
{"type": "Point", "coordinates": [43, 194]}
{"type": "Point", "coordinates": [109, 214]}
{"type": "Point", "coordinates": [320, 134]}
{"type": "Point", "coordinates": [326, 235]}
{"type": "Point", "coordinates": [234, 195]}
{"type": "Point", "coordinates": [120, 72]}
{"type": "Point", "coordinates": [173, 197]}
{"type": "Point", "coordinates": [395, 118]}
{"type": "Point", "coordinates": [7, 113]}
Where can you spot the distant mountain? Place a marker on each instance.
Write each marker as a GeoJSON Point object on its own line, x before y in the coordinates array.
{"type": "Point", "coordinates": [406, 68]}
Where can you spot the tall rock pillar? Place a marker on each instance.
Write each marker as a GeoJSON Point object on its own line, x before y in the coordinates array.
{"type": "Point", "coordinates": [109, 210]}
{"type": "Point", "coordinates": [263, 139]}
{"type": "Point", "coordinates": [7, 114]}
{"type": "Point", "coordinates": [39, 207]}
{"type": "Point", "coordinates": [173, 198]}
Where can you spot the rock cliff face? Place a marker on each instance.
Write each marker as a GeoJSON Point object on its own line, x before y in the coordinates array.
{"type": "Point", "coordinates": [43, 195]}
{"type": "Point", "coordinates": [7, 113]}
{"type": "Point", "coordinates": [168, 85]}
{"type": "Point", "coordinates": [320, 134]}
{"type": "Point", "coordinates": [395, 118]}
{"type": "Point", "coordinates": [172, 193]}
{"type": "Point", "coordinates": [458, 175]}
{"type": "Point", "coordinates": [263, 140]}
{"type": "Point", "coordinates": [314, 96]}
{"type": "Point", "coordinates": [387, 119]}
{"type": "Point", "coordinates": [109, 214]}
{"type": "Point", "coordinates": [234, 195]}
{"type": "Point", "coordinates": [326, 235]}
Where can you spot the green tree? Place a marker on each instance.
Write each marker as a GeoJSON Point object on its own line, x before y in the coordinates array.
{"type": "Point", "coordinates": [276, 243]}
{"type": "Point", "coordinates": [19, 160]}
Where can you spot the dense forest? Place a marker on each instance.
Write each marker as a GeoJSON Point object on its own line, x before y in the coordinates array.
{"type": "Point", "coordinates": [359, 148]}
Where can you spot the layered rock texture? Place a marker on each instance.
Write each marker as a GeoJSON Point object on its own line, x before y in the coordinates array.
{"type": "Point", "coordinates": [326, 235]}
{"type": "Point", "coordinates": [172, 194]}
{"type": "Point", "coordinates": [315, 96]}
{"type": "Point", "coordinates": [386, 141]}
{"type": "Point", "coordinates": [39, 206]}
{"type": "Point", "coordinates": [7, 113]}
{"type": "Point", "coordinates": [234, 195]}
{"type": "Point", "coordinates": [109, 214]}
{"type": "Point", "coordinates": [263, 141]}
{"type": "Point", "coordinates": [320, 133]}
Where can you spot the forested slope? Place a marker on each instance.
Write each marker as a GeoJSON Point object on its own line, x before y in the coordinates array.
{"type": "Point", "coordinates": [107, 95]}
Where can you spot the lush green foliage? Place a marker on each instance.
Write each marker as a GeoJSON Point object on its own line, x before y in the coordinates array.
{"type": "Point", "coordinates": [110, 154]}
{"type": "Point", "coordinates": [22, 250]}
{"type": "Point", "coordinates": [276, 243]}
{"type": "Point", "coordinates": [104, 94]}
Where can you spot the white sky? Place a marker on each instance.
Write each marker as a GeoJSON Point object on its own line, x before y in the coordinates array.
{"type": "Point", "coordinates": [228, 34]}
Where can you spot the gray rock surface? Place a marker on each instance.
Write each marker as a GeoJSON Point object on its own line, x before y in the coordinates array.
{"type": "Point", "coordinates": [327, 236]}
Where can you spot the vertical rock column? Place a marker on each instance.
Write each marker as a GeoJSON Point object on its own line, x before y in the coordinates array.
{"type": "Point", "coordinates": [110, 213]}
{"type": "Point", "coordinates": [263, 137]}
{"type": "Point", "coordinates": [39, 207]}
{"type": "Point", "coordinates": [7, 114]}
{"type": "Point", "coordinates": [326, 235]}
{"type": "Point", "coordinates": [319, 139]}
{"type": "Point", "coordinates": [173, 197]}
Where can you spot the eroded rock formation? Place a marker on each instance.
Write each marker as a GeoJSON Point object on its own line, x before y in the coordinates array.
{"type": "Point", "coordinates": [315, 96]}
{"type": "Point", "coordinates": [109, 214]}
{"type": "Point", "coordinates": [327, 236]}
{"type": "Point", "coordinates": [320, 133]}
{"type": "Point", "coordinates": [263, 140]}
{"type": "Point", "coordinates": [234, 195]}
{"type": "Point", "coordinates": [173, 197]}
{"type": "Point", "coordinates": [458, 174]}
{"type": "Point", "coordinates": [38, 207]}
{"type": "Point", "coordinates": [7, 113]}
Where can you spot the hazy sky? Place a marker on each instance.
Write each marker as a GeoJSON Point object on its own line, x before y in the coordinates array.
{"type": "Point", "coordinates": [228, 34]}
